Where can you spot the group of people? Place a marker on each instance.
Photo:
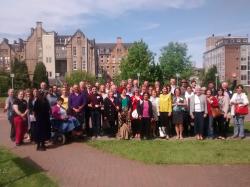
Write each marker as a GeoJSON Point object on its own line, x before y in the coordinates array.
{"type": "Point", "coordinates": [127, 111]}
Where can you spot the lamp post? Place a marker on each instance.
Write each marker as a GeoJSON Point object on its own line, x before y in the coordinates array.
{"type": "Point", "coordinates": [216, 80]}
{"type": "Point", "coordinates": [138, 76]}
{"type": "Point", "coordinates": [177, 78]}
{"type": "Point", "coordinates": [12, 75]}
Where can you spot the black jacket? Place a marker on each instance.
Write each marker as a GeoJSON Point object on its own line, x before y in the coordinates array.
{"type": "Point", "coordinates": [140, 108]}
{"type": "Point", "coordinates": [110, 110]}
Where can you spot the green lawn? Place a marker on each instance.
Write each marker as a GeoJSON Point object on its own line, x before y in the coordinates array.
{"type": "Point", "coordinates": [179, 152]}
{"type": "Point", "coordinates": [15, 171]}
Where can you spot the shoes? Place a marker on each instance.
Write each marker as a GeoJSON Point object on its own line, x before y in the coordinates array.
{"type": "Point", "coordinates": [18, 144]}
{"type": "Point", "coordinates": [167, 137]}
{"type": "Point", "coordinates": [234, 137]}
{"type": "Point", "coordinates": [243, 137]}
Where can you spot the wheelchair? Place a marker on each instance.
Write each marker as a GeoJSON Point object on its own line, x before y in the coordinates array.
{"type": "Point", "coordinates": [58, 137]}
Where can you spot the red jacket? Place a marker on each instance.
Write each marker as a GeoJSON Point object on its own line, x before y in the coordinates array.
{"type": "Point", "coordinates": [214, 103]}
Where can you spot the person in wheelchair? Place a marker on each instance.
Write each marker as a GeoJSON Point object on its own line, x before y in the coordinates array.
{"type": "Point", "coordinates": [63, 122]}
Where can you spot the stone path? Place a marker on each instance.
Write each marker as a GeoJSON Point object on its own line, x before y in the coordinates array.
{"type": "Point", "coordinates": [77, 164]}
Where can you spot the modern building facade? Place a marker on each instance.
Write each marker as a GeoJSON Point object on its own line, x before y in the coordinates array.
{"type": "Point", "coordinates": [230, 55]}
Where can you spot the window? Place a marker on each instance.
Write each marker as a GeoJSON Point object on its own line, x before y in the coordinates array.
{"type": "Point", "coordinates": [83, 65]}
{"type": "Point", "coordinates": [243, 67]}
{"type": "Point", "coordinates": [47, 59]}
{"type": "Point", "coordinates": [79, 40]}
{"type": "Point", "coordinates": [83, 51]}
{"type": "Point", "coordinates": [74, 65]}
{"type": "Point", "coordinates": [243, 77]}
{"type": "Point", "coordinates": [50, 59]}
{"type": "Point", "coordinates": [50, 74]}
{"type": "Point", "coordinates": [74, 51]}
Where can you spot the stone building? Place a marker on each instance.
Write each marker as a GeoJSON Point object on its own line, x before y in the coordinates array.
{"type": "Point", "coordinates": [8, 52]}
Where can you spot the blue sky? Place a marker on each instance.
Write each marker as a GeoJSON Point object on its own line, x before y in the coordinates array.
{"type": "Point", "coordinates": [157, 22]}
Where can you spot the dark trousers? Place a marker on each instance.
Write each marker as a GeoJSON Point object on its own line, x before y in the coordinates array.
{"type": "Point", "coordinates": [188, 128]}
{"type": "Point", "coordinates": [165, 122]}
{"type": "Point", "coordinates": [32, 130]}
{"type": "Point", "coordinates": [221, 125]}
{"type": "Point", "coordinates": [87, 116]}
{"type": "Point", "coordinates": [199, 122]}
{"type": "Point", "coordinates": [12, 129]}
{"type": "Point", "coordinates": [145, 127]}
{"type": "Point", "coordinates": [113, 128]}
{"type": "Point", "coordinates": [96, 122]}
{"type": "Point", "coordinates": [136, 126]}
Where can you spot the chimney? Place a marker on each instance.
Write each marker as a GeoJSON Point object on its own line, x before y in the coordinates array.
{"type": "Point", "coordinates": [15, 42]}
{"type": "Point", "coordinates": [229, 35]}
{"type": "Point", "coordinates": [119, 40]}
{"type": "Point", "coordinates": [6, 40]}
{"type": "Point", "coordinates": [32, 30]}
{"type": "Point", "coordinates": [39, 24]}
{"type": "Point", "coordinates": [213, 35]}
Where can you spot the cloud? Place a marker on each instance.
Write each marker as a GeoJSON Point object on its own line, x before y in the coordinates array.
{"type": "Point", "coordinates": [150, 26]}
{"type": "Point", "coordinates": [19, 15]}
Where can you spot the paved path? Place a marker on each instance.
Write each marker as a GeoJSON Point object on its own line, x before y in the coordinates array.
{"type": "Point", "coordinates": [77, 164]}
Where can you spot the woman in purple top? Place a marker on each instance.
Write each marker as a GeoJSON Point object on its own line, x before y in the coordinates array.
{"type": "Point", "coordinates": [145, 112]}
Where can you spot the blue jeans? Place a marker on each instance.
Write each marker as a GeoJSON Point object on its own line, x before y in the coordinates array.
{"type": "Point", "coordinates": [239, 126]}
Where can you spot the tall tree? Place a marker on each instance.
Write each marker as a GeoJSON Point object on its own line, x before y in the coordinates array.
{"type": "Point", "coordinates": [20, 70]}
{"type": "Point", "coordinates": [210, 76]}
{"type": "Point", "coordinates": [138, 60]}
{"type": "Point", "coordinates": [40, 75]}
{"type": "Point", "coordinates": [174, 59]}
{"type": "Point", "coordinates": [4, 82]}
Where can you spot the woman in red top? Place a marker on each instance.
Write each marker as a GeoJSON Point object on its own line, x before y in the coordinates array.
{"type": "Point", "coordinates": [211, 102]}
{"type": "Point", "coordinates": [135, 121]}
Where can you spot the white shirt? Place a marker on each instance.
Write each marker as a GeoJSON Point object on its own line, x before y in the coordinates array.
{"type": "Point", "coordinates": [197, 104]}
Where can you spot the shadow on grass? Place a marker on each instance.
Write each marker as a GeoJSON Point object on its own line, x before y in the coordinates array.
{"type": "Point", "coordinates": [27, 166]}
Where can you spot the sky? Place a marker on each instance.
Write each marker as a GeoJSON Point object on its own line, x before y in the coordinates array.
{"type": "Point", "coordinates": [157, 22]}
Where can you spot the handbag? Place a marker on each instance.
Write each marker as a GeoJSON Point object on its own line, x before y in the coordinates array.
{"type": "Point", "coordinates": [241, 110]}
{"type": "Point", "coordinates": [162, 132]}
{"type": "Point", "coordinates": [135, 114]}
{"type": "Point", "coordinates": [215, 112]}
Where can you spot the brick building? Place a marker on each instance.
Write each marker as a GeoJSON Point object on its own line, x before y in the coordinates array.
{"type": "Point", "coordinates": [110, 56]}
{"type": "Point", "coordinates": [230, 54]}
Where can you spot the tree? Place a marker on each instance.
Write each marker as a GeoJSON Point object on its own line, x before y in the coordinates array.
{"type": "Point", "coordinates": [4, 82]}
{"type": "Point", "coordinates": [76, 76]}
{"type": "Point", "coordinates": [138, 60]}
{"type": "Point", "coordinates": [40, 75]}
{"type": "Point", "coordinates": [210, 76]}
{"type": "Point", "coordinates": [155, 73]}
{"type": "Point", "coordinates": [174, 59]}
{"type": "Point", "coordinates": [20, 70]}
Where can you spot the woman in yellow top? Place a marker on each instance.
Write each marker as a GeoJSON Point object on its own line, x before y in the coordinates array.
{"type": "Point", "coordinates": [65, 97]}
{"type": "Point", "coordinates": [165, 104]}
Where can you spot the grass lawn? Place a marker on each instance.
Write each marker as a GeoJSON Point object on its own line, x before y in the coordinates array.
{"type": "Point", "coordinates": [15, 171]}
{"type": "Point", "coordinates": [180, 152]}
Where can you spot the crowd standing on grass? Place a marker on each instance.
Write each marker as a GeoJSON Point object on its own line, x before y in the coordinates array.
{"type": "Point", "coordinates": [127, 111]}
